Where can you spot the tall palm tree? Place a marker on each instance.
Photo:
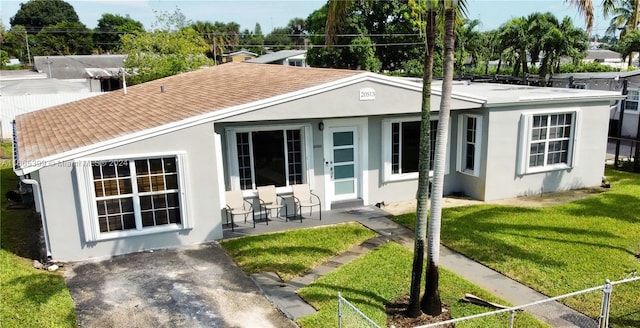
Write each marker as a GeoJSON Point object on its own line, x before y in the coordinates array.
{"type": "Point", "coordinates": [624, 17]}
{"type": "Point", "coordinates": [514, 37]}
{"type": "Point", "coordinates": [431, 303]}
{"type": "Point", "coordinates": [585, 7]}
{"type": "Point", "coordinates": [335, 17]}
{"type": "Point", "coordinates": [422, 207]}
{"type": "Point", "coordinates": [468, 43]}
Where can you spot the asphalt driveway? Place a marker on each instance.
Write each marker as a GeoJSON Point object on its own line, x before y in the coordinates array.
{"type": "Point", "coordinates": [193, 287]}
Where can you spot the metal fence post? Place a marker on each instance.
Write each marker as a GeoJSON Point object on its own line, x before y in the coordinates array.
{"type": "Point", "coordinates": [606, 304]}
{"type": "Point", "coordinates": [512, 319]}
{"type": "Point", "coordinates": [339, 310]}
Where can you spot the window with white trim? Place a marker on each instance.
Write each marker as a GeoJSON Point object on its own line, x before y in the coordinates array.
{"type": "Point", "coordinates": [401, 147]}
{"type": "Point", "coordinates": [131, 196]}
{"type": "Point", "coordinates": [550, 141]}
{"type": "Point", "coordinates": [469, 143]}
{"type": "Point", "coordinates": [267, 156]}
{"type": "Point", "coordinates": [633, 98]}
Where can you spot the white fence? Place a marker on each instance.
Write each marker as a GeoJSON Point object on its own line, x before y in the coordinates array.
{"type": "Point", "coordinates": [549, 310]}
{"type": "Point", "coordinates": [12, 106]}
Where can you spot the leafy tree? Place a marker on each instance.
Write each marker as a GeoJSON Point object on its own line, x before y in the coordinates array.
{"type": "Point", "coordinates": [106, 36]}
{"type": "Point", "coordinates": [65, 38]}
{"type": "Point", "coordinates": [629, 44]}
{"type": "Point", "coordinates": [170, 21]}
{"type": "Point", "coordinates": [36, 14]}
{"type": "Point", "coordinates": [221, 37]}
{"type": "Point", "coordinates": [253, 41]}
{"type": "Point", "coordinates": [395, 38]}
{"type": "Point", "coordinates": [279, 39]}
{"type": "Point", "coordinates": [160, 54]}
{"type": "Point", "coordinates": [365, 51]}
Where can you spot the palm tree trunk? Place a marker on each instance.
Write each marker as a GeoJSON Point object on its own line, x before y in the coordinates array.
{"type": "Point", "coordinates": [423, 170]}
{"type": "Point", "coordinates": [431, 303]}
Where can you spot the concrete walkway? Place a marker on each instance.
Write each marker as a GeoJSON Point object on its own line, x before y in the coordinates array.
{"type": "Point", "coordinates": [283, 294]}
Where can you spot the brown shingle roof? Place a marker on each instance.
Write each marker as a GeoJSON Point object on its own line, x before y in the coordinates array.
{"type": "Point", "coordinates": [82, 123]}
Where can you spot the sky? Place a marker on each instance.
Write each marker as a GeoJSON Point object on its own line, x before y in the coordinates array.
{"type": "Point", "coordinates": [277, 13]}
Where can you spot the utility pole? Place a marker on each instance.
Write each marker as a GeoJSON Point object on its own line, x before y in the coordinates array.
{"type": "Point", "coordinates": [26, 40]}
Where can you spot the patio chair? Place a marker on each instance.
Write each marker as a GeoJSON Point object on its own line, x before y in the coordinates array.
{"type": "Point", "coordinates": [237, 205]}
{"type": "Point", "coordinates": [303, 197]}
{"type": "Point", "coordinates": [270, 200]}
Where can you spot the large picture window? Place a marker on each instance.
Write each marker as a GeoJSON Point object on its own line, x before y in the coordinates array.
{"type": "Point", "coordinates": [401, 142]}
{"type": "Point", "coordinates": [549, 141]}
{"type": "Point", "coordinates": [268, 157]}
{"type": "Point", "coordinates": [132, 195]}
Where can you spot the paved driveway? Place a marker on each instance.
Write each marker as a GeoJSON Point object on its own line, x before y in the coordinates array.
{"type": "Point", "coordinates": [194, 287]}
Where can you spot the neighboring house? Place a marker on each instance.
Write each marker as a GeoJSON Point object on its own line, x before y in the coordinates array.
{"type": "Point", "coordinates": [610, 81]}
{"type": "Point", "coordinates": [283, 57]}
{"type": "Point", "coordinates": [605, 57]}
{"type": "Point", "coordinates": [119, 173]}
{"type": "Point", "coordinates": [238, 56]}
{"type": "Point", "coordinates": [21, 96]}
{"type": "Point", "coordinates": [99, 72]}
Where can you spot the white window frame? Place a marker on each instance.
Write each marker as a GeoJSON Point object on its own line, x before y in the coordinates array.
{"type": "Point", "coordinates": [87, 195]}
{"type": "Point", "coordinates": [526, 122]}
{"type": "Point", "coordinates": [232, 154]}
{"type": "Point", "coordinates": [462, 144]}
{"type": "Point", "coordinates": [387, 172]}
{"type": "Point", "coordinates": [633, 95]}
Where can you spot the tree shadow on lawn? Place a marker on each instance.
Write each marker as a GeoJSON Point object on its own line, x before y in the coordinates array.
{"type": "Point", "coordinates": [37, 288]}
{"type": "Point", "coordinates": [357, 297]}
{"type": "Point", "coordinates": [472, 234]}
{"type": "Point", "coordinates": [267, 254]}
{"type": "Point", "coordinates": [627, 207]}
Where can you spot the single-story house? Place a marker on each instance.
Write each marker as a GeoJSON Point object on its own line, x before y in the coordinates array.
{"type": "Point", "coordinates": [20, 96]}
{"type": "Point", "coordinates": [283, 57]}
{"type": "Point", "coordinates": [238, 56]}
{"type": "Point", "coordinates": [99, 72]}
{"type": "Point", "coordinates": [605, 57]}
{"type": "Point", "coordinates": [121, 173]}
{"type": "Point", "coordinates": [610, 81]}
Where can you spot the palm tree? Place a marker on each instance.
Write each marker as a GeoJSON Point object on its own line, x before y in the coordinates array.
{"type": "Point", "coordinates": [585, 7]}
{"type": "Point", "coordinates": [468, 43]}
{"type": "Point", "coordinates": [626, 19]}
{"type": "Point", "coordinates": [431, 303]}
{"type": "Point", "coordinates": [514, 37]}
{"type": "Point", "coordinates": [335, 17]}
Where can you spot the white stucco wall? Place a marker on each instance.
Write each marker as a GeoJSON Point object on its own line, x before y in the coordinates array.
{"type": "Point", "coordinates": [62, 202]}
{"type": "Point", "coordinates": [503, 179]}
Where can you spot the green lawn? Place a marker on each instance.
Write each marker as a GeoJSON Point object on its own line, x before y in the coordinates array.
{"type": "Point", "coordinates": [560, 249]}
{"type": "Point", "coordinates": [369, 282]}
{"type": "Point", "coordinates": [294, 252]}
{"type": "Point", "coordinates": [383, 275]}
{"type": "Point", "coordinates": [29, 298]}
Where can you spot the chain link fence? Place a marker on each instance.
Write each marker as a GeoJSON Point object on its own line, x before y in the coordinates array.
{"type": "Point", "coordinates": [350, 317]}
{"type": "Point", "coordinates": [598, 303]}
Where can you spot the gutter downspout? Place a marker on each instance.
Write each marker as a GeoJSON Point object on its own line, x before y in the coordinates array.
{"type": "Point", "coordinates": [45, 231]}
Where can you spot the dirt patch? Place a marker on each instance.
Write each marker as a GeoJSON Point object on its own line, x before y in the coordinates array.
{"type": "Point", "coordinates": [550, 199]}
{"type": "Point", "coordinates": [396, 315]}
{"type": "Point", "coordinates": [539, 200]}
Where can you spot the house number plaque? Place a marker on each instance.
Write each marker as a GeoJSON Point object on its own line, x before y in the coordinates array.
{"type": "Point", "coordinates": [367, 94]}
